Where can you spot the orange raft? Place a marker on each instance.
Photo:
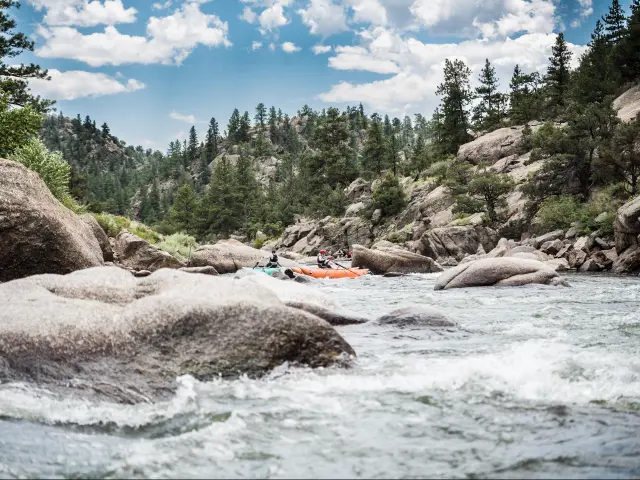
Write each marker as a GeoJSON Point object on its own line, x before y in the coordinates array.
{"type": "Point", "coordinates": [330, 272]}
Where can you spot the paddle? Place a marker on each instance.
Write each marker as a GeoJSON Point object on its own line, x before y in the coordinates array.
{"type": "Point", "coordinates": [333, 261]}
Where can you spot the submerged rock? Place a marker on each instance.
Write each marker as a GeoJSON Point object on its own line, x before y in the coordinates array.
{"type": "Point", "coordinates": [417, 316]}
{"type": "Point", "coordinates": [507, 271]}
{"type": "Point", "coordinates": [201, 270]}
{"type": "Point", "coordinates": [333, 317]}
{"type": "Point", "coordinates": [135, 253]}
{"type": "Point", "coordinates": [103, 333]}
{"type": "Point", "coordinates": [392, 260]}
{"type": "Point", "coordinates": [37, 233]}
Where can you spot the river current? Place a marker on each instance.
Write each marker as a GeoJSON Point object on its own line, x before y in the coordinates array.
{"type": "Point", "coordinates": [537, 382]}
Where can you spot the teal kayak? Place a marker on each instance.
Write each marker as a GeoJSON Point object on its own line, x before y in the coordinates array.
{"type": "Point", "coordinates": [268, 271]}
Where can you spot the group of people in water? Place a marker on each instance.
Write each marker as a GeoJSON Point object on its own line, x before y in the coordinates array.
{"type": "Point", "coordinates": [323, 259]}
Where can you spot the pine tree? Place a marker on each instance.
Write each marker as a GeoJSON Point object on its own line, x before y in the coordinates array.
{"type": "Point", "coordinates": [14, 78]}
{"type": "Point", "coordinates": [183, 211]}
{"type": "Point", "coordinates": [218, 213]}
{"type": "Point", "coordinates": [273, 125]}
{"type": "Point", "coordinates": [233, 128]}
{"type": "Point", "coordinates": [88, 124]}
{"type": "Point", "coordinates": [211, 142]}
{"type": "Point", "coordinates": [419, 158]}
{"type": "Point", "coordinates": [629, 47]}
{"type": "Point", "coordinates": [247, 191]}
{"type": "Point", "coordinates": [245, 126]}
{"type": "Point", "coordinates": [334, 151]}
{"type": "Point", "coordinates": [192, 148]}
{"type": "Point", "coordinates": [486, 114]}
{"type": "Point", "coordinates": [260, 119]}
{"type": "Point", "coordinates": [407, 132]}
{"type": "Point", "coordinates": [456, 96]}
{"type": "Point", "coordinates": [614, 22]}
{"type": "Point", "coordinates": [154, 207]}
{"type": "Point", "coordinates": [388, 128]}
{"type": "Point", "coordinates": [393, 150]}
{"type": "Point", "coordinates": [596, 77]}
{"type": "Point", "coordinates": [623, 152]}
{"type": "Point", "coordinates": [524, 98]}
{"type": "Point", "coordinates": [374, 155]}
{"type": "Point", "coordinates": [558, 75]}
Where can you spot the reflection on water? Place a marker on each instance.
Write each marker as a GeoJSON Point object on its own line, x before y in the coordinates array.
{"type": "Point", "coordinates": [538, 382]}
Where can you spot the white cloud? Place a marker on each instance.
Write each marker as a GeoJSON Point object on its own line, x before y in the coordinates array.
{"type": "Point", "coordinates": [256, 45]}
{"type": "Point", "coordinates": [290, 47]}
{"type": "Point", "coordinates": [323, 17]}
{"type": "Point", "coordinates": [162, 6]}
{"type": "Point", "coordinates": [85, 13]}
{"type": "Point", "coordinates": [368, 11]}
{"type": "Point", "coordinates": [190, 119]}
{"type": "Point", "coordinates": [272, 47]}
{"type": "Point", "coordinates": [320, 49]}
{"type": "Point", "coordinates": [490, 18]}
{"type": "Point", "coordinates": [168, 40]}
{"type": "Point", "coordinates": [417, 67]}
{"type": "Point", "coordinates": [273, 17]}
{"type": "Point", "coordinates": [74, 84]}
{"type": "Point", "coordinates": [248, 15]}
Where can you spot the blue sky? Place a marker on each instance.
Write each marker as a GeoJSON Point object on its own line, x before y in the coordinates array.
{"type": "Point", "coordinates": [151, 70]}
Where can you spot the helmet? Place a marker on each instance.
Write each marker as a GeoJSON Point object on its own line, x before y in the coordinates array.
{"type": "Point", "coordinates": [273, 251]}
{"type": "Point", "coordinates": [323, 252]}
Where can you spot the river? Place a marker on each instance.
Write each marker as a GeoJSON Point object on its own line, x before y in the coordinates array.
{"type": "Point", "coordinates": [538, 382]}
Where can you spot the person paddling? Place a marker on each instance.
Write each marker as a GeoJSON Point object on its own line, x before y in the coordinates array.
{"type": "Point", "coordinates": [323, 262]}
{"type": "Point", "coordinates": [273, 260]}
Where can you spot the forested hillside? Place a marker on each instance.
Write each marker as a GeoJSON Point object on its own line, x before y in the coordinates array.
{"type": "Point", "coordinates": [266, 167]}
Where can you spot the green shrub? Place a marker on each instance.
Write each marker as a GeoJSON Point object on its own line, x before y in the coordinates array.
{"type": "Point", "coordinates": [558, 213]}
{"type": "Point", "coordinates": [180, 245]}
{"type": "Point", "coordinates": [17, 126]}
{"type": "Point", "coordinates": [389, 196]}
{"type": "Point", "coordinates": [114, 224]}
{"type": "Point", "coordinates": [259, 242]}
{"type": "Point", "coordinates": [52, 168]}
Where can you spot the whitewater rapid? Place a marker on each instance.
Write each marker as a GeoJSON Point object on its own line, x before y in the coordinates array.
{"type": "Point", "coordinates": [537, 382]}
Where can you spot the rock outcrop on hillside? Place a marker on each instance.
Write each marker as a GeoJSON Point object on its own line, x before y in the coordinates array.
{"type": "Point", "coordinates": [493, 146]}
{"type": "Point", "coordinates": [628, 104]}
{"type": "Point", "coordinates": [507, 271]}
{"type": "Point", "coordinates": [134, 253]}
{"type": "Point", "coordinates": [387, 258]}
{"type": "Point", "coordinates": [37, 233]}
{"type": "Point", "coordinates": [456, 242]}
{"type": "Point", "coordinates": [108, 335]}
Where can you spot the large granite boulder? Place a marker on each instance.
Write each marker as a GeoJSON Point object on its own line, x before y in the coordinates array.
{"type": "Point", "coordinates": [506, 271]}
{"type": "Point", "coordinates": [386, 259]}
{"type": "Point", "coordinates": [37, 233]}
{"type": "Point", "coordinates": [228, 256]}
{"type": "Point", "coordinates": [626, 226]}
{"type": "Point", "coordinates": [103, 333]}
{"type": "Point", "coordinates": [493, 146]}
{"type": "Point", "coordinates": [628, 104]}
{"type": "Point", "coordinates": [136, 253]}
{"type": "Point", "coordinates": [456, 242]}
{"type": "Point", "coordinates": [101, 236]}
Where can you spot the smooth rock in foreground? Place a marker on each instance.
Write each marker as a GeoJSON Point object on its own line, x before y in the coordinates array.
{"type": "Point", "coordinates": [37, 233]}
{"type": "Point", "coordinates": [507, 271]}
{"type": "Point", "coordinates": [392, 260]}
{"type": "Point", "coordinates": [103, 333]}
{"type": "Point", "coordinates": [417, 316]}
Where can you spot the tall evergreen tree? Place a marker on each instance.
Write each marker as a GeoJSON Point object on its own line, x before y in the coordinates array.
{"type": "Point", "coordinates": [106, 131]}
{"type": "Point", "coordinates": [218, 212]}
{"type": "Point", "coordinates": [456, 96]}
{"type": "Point", "coordinates": [486, 114]}
{"type": "Point", "coordinates": [334, 151]}
{"type": "Point", "coordinates": [14, 78]}
{"type": "Point", "coordinates": [374, 155]}
{"type": "Point", "coordinates": [211, 141]}
{"type": "Point", "coordinates": [192, 147]}
{"type": "Point", "coordinates": [614, 22]}
{"type": "Point", "coordinates": [233, 129]}
{"type": "Point", "coordinates": [629, 47]}
{"type": "Point", "coordinates": [388, 128]}
{"type": "Point", "coordinates": [183, 211]}
{"type": "Point", "coordinates": [273, 125]}
{"type": "Point", "coordinates": [245, 126]}
{"type": "Point", "coordinates": [558, 75]}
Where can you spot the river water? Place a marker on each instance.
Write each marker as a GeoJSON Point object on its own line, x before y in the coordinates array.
{"type": "Point", "coordinates": [538, 382]}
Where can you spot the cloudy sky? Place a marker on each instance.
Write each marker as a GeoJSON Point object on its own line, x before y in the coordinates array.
{"type": "Point", "coordinates": [151, 70]}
